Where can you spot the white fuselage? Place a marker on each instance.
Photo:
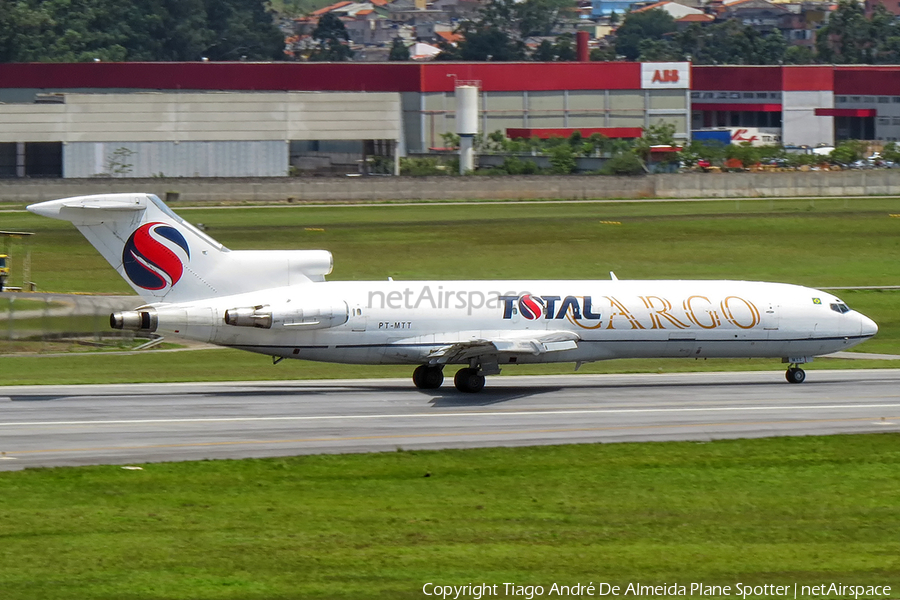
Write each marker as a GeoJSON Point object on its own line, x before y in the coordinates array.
{"type": "Point", "coordinates": [408, 321]}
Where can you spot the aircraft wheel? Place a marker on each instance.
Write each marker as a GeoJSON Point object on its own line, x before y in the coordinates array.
{"type": "Point", "coordinates": [795, 375]}
{"type": "Point", "coordinates": [468, 380]}
{"type": "Point", "coordinates": [427, 377]}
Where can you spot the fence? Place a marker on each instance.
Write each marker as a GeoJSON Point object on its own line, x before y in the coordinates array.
{"type": "Point", "coordinates": [343, 189]}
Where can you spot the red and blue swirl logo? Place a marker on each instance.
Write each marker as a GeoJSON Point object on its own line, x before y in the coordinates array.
{"type": "Point", "coordinates": [154, 256]}
{"type": "Point", "coordinates": [531, 307]}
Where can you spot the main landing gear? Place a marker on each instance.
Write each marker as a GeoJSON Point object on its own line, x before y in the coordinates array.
{"type": "Point", "coordinates": [468, 380]}
{"type": "Point", "coordinates": [795, 375]}
{"type": "Point", "coordinates": [429, 377]}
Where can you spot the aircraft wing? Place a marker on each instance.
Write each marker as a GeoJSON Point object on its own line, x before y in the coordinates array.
{"type": "Point", "coordinates": [527, 342]}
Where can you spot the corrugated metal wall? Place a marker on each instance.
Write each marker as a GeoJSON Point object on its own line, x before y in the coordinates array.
{"type": "Point", "coordinates": [202, 117]}
{"type": "Point", "coordinates": [176, 159]}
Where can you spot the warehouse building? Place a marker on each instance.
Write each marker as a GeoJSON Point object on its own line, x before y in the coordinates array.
{"type": "Point", "coordinates": [808, 105]}
{"type": "Point", "coordinates": [274, 119]}
{"type": "Point", "coordinates": [246, 119]}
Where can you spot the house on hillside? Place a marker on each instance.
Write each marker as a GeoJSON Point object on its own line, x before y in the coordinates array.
{"type": "Point", "coordinates": [762, 15]}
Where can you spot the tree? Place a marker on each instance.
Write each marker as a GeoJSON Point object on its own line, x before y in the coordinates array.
{"type": "Point", "coordinates": [605, 54]}
{"type": "Point", "coordinates": [658, 51]}
{"type": "Point", "coordinates": [659, 134]}
{"type": "Point", "coordinates": [399, 50]}
{"type": "Point", "coordinates": [731, 43]}
{"type": "Point", "coordinates": [649, 24]}
{"type": "Point", "coordinates": [798, 55]}
{"type": "Point", "coordinates": [242, 29]}
{"type": "Point", "coordinates": [146, 30]}
{"type": "Point", "coordinates": [499, 30]}
{"type": "Point", "coordinates": [851, 38]}
{"type": "Point", "coordinates": [333, 40]}
{"type": "Point", "coordinates": [563, 50]}
{"type": "Point", "coordinates": [846, 36]}
{"type": "Point", "coordinates": [544, 52]}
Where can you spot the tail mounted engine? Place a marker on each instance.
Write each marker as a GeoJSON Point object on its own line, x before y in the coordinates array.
{"type": "Point", "coordinates": [199, 322]}
{"type": "Point", "coordinates": [265, 316]}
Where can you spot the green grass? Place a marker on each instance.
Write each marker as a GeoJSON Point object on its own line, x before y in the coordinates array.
{"type": "Point", "coordinates": [778, 511]}
{"type": "Point", "coordinates": [821, 243]}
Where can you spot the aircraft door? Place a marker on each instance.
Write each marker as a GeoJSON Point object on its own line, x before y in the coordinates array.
{"type": "Point", "coordinates": [358, 318]}
{"type": "Point", "coordinates": [771, 320]}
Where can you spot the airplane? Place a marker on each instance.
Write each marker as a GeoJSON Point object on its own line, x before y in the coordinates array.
{"type": "Point", "coordinates": [277, 303]}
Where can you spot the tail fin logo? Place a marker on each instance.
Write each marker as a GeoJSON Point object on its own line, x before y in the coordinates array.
{"type": "Point", "coordinates": [154, 256]}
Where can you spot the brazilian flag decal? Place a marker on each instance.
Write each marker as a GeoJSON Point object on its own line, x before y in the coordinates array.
{"type": "Point", "coordinates": [816, 301]}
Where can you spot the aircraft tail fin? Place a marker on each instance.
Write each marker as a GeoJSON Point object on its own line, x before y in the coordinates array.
{"type": "Point", "coordinates": [166, 259]}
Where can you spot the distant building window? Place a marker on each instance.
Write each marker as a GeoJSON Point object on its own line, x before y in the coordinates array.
{"type": "Point", "coordinates": [840, 99]}
{"type": "Point", "coordinates": [870, 99]}
{"type": "Point", "coordinates": [708, 95]}
{"type": "Point", "coordinates": [895, 121]}
{"type": "Point", "coordinates": [723, 95]}
{"type": "Point", "coordinates": [695, 94]}
{"type": "Point", "coordinates": [884, 121]}
{"type": "Point", "coordinates": [748, 94]}
{"type": "Point", "coordinates": [735, 95]}
{"type": "Point", "coordinates": [762, 95]}
{"type": "Point", "coordinates": [855, 98]}
{"type": "Point", "coordinates": [883, 99]}
{"type": "Point", "coordinates": [775, 95]}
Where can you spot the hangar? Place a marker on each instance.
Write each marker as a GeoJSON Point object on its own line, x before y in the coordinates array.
{"type": "Point", "coordinates": [262, 119]}
{"type": "Point", "coordinates": [799, 105]}
{"type": "Point", "coordinates": [273, 119]}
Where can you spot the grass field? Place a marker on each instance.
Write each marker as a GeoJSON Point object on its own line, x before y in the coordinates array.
{"type": "Point", "coordinates": [806, 510]}
{"type": "Point", "coordinates": [821, 243]}
{"type": "Point", "coordinates": [778, 511]}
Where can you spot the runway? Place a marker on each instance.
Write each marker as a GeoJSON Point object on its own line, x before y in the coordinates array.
{"type": "Point", "coordinates": [130, 424]}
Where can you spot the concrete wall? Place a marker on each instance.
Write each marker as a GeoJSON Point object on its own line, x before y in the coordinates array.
{"type": "Point", "coordinates": [690, 185]}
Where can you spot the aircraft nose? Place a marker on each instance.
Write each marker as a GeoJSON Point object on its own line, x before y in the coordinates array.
{"type": "Point", "coordinates": [867, 327]}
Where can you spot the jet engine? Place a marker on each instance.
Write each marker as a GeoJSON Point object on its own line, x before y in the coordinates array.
{"type": "Point", "coordinates": [265, 316]}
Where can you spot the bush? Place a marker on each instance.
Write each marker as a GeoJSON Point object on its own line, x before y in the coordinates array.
{"type": "Point", "coordinates": [562, 159]}
{"type": "Point", "coordinates": [515, 166]}
{"type": "Point", "coordinates": [624, 163]}
{"type": "Point", "coordinates": [422, 167]}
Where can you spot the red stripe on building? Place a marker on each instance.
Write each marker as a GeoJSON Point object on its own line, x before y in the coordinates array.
{"type": "Point", "coordinates": [549, 132]}
{"type": "Point", "coordinates": [514, 77]}
{"type": "Point", "coordinates": [736, 78]}
{"type": "Point", "coordinates": [872, 81]}
{"type": "Point", "coordinates": [352, 77]}
{"type": "Point", "coordinates": [807, 78]}
{"type": "Point", "coordinates": [846, 112]}
{"type": "Point", "coordinates": [355, 77]}
{"type": "Point", "coordinates": [736, 107]}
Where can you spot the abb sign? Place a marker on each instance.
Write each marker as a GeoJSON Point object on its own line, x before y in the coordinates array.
{"type": "Point", "coordinates": [665, 75]}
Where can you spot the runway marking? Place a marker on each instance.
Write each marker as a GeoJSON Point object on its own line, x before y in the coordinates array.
{"type": "Point", "coordinates": [604, 411]}
{"type": "Point", "coordinates": [432, 435]}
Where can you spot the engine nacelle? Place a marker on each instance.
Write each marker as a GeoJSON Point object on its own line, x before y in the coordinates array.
{"type": "Point", "coordinates": [265, 316]}
{"type": "Point", "coordinates": [135, 320]}
{"type": "Point", "coordinates": [190, 322]}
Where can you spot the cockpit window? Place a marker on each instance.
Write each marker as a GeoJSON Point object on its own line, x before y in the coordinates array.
{"type": "Point", "coordinates": [840, 307]}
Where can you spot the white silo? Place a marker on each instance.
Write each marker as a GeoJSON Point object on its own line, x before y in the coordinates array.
{"type": "Point", "coordinates": [466, 124]}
